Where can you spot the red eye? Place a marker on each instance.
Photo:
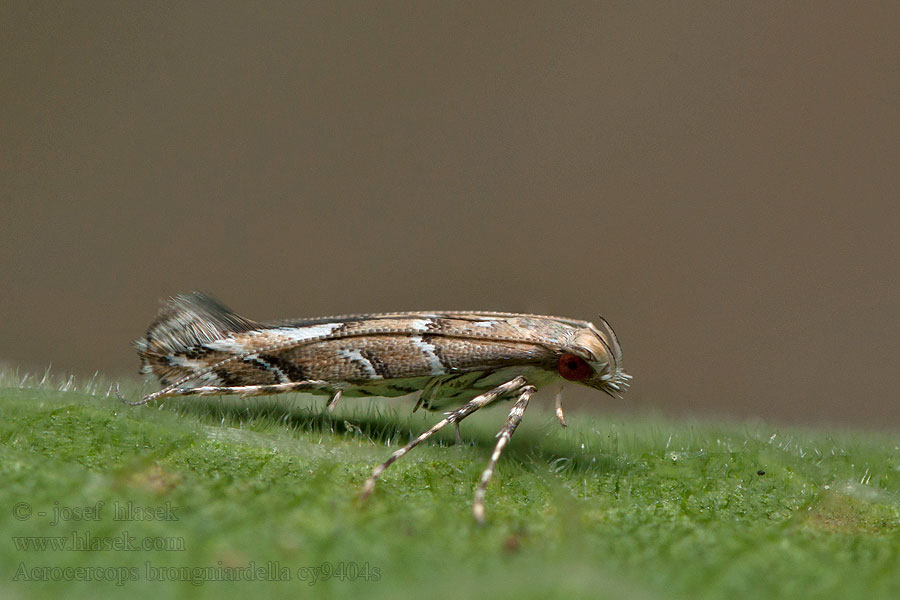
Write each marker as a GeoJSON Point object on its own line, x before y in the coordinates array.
{"type": "Point", "coordinates": [573, 368]}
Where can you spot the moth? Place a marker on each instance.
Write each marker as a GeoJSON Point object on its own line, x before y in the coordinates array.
{"type": "Point", "coordinates": [456, 360]}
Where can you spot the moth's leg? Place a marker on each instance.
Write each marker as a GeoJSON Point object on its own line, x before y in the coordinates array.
{"type": "Point", "coordinates": [515, 417]}
{"type": "Point", "coordinates": [241, 390]}
{"type": "Point", "coordinates": [559, 410]}
{"type": "Point", "coordinates": [452, 417]}
{"type": "Point", "coordinates": [332, 402]}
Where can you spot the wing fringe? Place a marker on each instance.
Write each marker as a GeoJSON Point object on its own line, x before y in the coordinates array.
{"type": "Point", "coordinates": [178, 332]}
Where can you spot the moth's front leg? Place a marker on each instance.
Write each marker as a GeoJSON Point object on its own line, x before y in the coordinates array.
{"type": "Point", "coordinates": [511, 386]}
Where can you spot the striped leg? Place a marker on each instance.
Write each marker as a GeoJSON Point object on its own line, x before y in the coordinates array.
{"type": "Point", "coordinates": [332, 402]}
{"type": "Point", "coordinates": [452, 417]}
{"type": "Point", "coordinates": [241, 390]}
{"type": "Point", "coordinates": [515, 417]}
{"type": "Point", "coordinates": [559, 410]}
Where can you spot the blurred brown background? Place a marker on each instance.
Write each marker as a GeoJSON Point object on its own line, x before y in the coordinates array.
{"type": "Point", "coordinates": [720, 181]}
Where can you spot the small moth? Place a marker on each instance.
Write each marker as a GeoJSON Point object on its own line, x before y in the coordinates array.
{"type": "Point", "coordinates": [467, 360]}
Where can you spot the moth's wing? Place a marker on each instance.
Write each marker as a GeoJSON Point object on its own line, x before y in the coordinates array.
{"type": "Point", "coordinates": [449, 390]}
{"type": "Point", "coordinates": [462, 315]}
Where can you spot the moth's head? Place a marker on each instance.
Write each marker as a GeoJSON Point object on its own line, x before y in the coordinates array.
{"type": "Point", "coordinates": [592, 356]}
